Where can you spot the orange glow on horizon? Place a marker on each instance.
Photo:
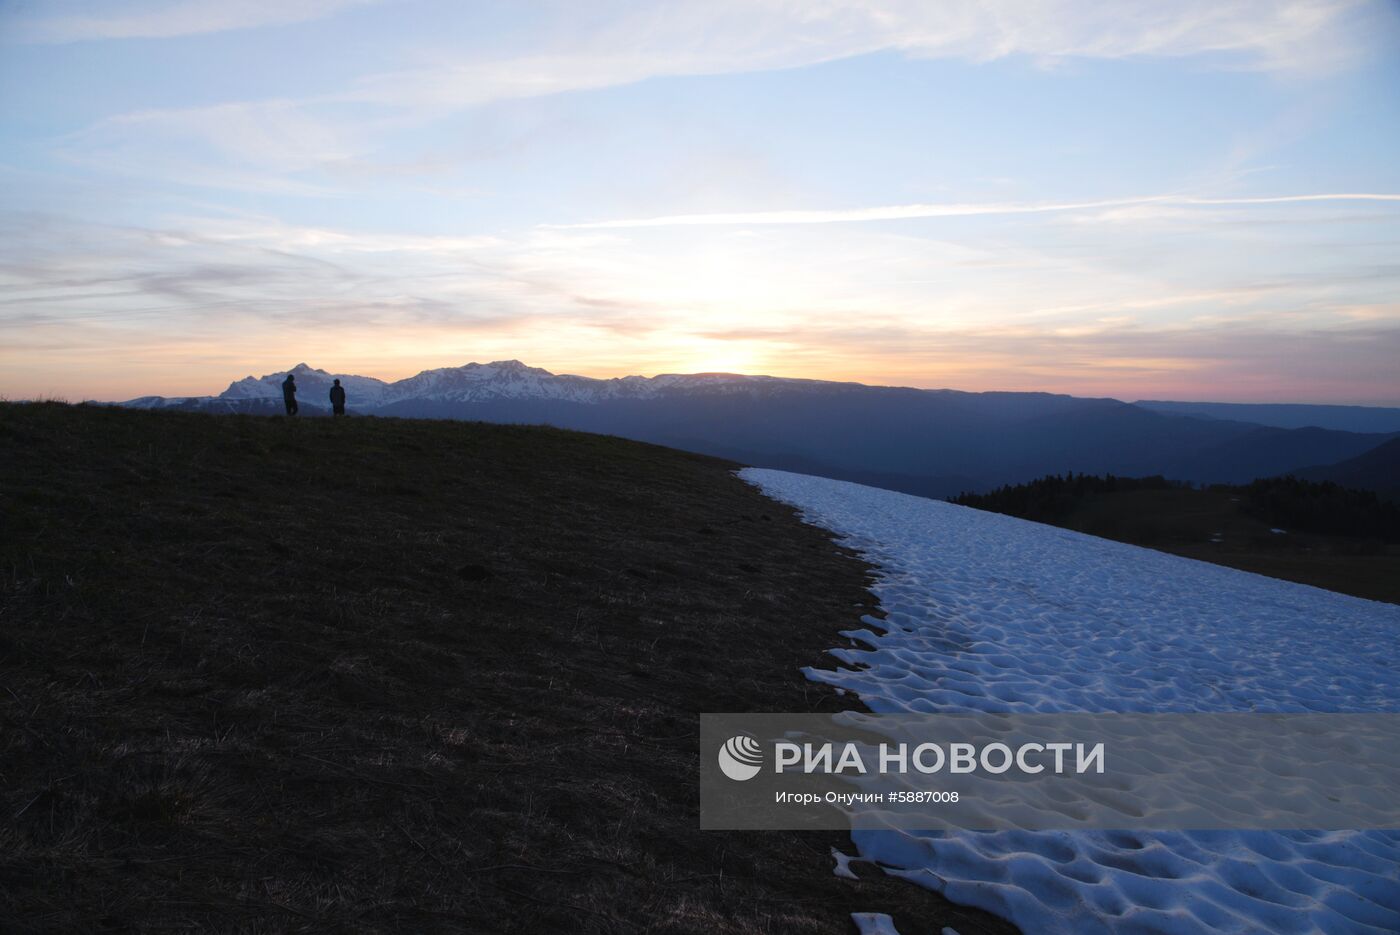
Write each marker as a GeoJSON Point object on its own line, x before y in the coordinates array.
{"type": "Point", "coordinates": [107, 365]}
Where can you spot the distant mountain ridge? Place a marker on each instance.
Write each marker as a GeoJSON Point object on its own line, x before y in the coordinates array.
{"type": "Point", "coordinates": [501, 379]}
{"type": "Point", "coordinates": [1287, 415]}
{"type": "Point", "coordinates": [928, 442]}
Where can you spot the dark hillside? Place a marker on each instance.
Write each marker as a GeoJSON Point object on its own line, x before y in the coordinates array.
{"type": "Point", "coordinates": [930, 443]}
{"type": "Point", "coordinates": [1377, 469]}
{"type": "Point", "coordinates": [270, 675]}
{"type": "Point", "coordinates": [1270, 452]}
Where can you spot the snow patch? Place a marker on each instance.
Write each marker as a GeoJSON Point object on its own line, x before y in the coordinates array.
{"type": "Point", "coordinates": [874, 923]}
{"type": "Point", "coordinates": [991, 613]}
{"type": "Point", "coordinates": [843, 865]}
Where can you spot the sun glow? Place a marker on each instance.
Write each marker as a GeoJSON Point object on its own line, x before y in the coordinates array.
{"type": "Point", "coordinates": [714, 356]}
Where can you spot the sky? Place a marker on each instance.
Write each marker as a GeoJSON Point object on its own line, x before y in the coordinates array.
{"type": "Point", "coordinates": [1189, 200]}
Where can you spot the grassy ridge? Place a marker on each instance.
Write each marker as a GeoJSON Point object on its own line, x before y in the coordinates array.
{"type": "Point", "coordinates": [260, 674]}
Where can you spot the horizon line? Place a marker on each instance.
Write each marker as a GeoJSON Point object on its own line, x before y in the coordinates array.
{"type": "Point", "coordinates": [722, 373]}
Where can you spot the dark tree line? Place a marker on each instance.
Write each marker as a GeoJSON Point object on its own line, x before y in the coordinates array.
{"type": "Point", "coordinates": [1053, 497]}
{"type": "Point", "coordinates": [1285, 502]}
{"type": "Point", "coordinates": [1320, 507]}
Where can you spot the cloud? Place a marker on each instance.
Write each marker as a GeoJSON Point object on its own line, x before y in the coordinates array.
{"type": "Point", "coordinates": [682, 38]}
{"type": "Point", "coordinates": [591, 46]}
{"type": "Point", "coordinates": [916, 211]}
{"type": "Point", "coordinates": [797, 276]}
{"type": "Point", "coordinates": [685, 37]}
{"type": "Point", "coordinates": [165, 19]}
{"type": "Point", "coordinates": [993, 306]}
{"type": "Point", "coordinates": [1239, 360]}
{"type": "Point", "coordinates": [267, 146]}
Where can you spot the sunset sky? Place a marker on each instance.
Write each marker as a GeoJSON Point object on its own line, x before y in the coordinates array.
{"type": "Point", "coordinates": [1184, 200]}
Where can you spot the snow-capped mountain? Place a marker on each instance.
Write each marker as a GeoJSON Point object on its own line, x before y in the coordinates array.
{"type": "Point", "coordinates": [929, 442]}
{"type": "Point", "coordinates": [311, 382]}
{"type": "Point", "coordinates": [511, 379]}
{"type": "Point", "coordinates": [498, 380]}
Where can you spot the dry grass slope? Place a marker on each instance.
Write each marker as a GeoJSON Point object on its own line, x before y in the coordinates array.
{"type": "Point", "coordinates": [265, 675]}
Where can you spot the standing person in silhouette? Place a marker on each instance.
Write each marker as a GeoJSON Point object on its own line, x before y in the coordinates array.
{"type": "Point", "coordinates": [289, 394]}
{"type": "Point", "coordinates": [338, 399]}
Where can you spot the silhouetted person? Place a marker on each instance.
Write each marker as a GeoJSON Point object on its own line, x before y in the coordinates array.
{"type": "Point", "coordinates": [289, 394]}
{"type": "Point", "coordinates": [338, 399]}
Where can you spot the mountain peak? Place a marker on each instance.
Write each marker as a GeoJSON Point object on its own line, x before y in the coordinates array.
{"type": "Point", "coordinates": [514, 366]}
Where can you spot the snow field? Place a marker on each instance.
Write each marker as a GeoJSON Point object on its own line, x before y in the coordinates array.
{"type": "Point", "coordinates": [991, 613]}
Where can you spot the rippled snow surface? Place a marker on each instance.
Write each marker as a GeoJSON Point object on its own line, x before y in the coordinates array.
{"type": "Point", "coordinates": [987, 612]}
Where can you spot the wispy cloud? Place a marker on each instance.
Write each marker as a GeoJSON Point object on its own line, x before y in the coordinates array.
{"type": "Point", "coordinates": [683, 37]}
{"type": "Point", "coordinates": [915, 211]}
{"type": "Point", "coordinates": [679, 38]}
{"type": "Point", "coordinates": [585, 50]}
{"type": "Point", "coordinates": [857, 302]}
{"type": "Point", "coordinates": [165, 19]}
